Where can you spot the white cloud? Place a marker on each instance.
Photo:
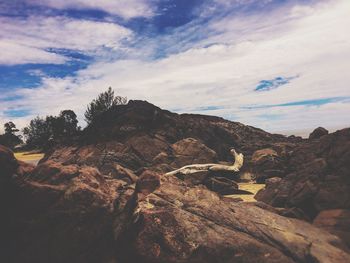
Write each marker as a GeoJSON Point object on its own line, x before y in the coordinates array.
{"type": "Point", "coordinates": [27, 40]}
{"type": "Point", "coordinates": [15, 53]}
{"type": "Point", "coordinates": [310, 42]}
{"type": "Point", "coordinates": [124, 8]}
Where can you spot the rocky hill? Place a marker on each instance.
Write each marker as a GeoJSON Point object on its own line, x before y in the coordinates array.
{"type": "Point", "coordinates": [139, 135]}
{"type": "Point", "coordinates": [107, 199]}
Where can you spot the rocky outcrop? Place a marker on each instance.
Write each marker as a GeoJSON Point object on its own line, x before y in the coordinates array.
{"type": "Point", "coordinates": [139, 135]}
{"type": "Point", "coordinates": [318, 176]}
{"type": "Point", "coordinates": [8, 162]}
{"type": "Point", "coordinates": [267, 163]}
{"type": "Point", "coordinates": [318, 133]}
{"type": "Point", "coordinates": [336, 221]}
{"type": "Point", "coordinates": [181, 224]}
{"type": "Point", "coordinates": [107, 198]}
{"type": "Point", "coordinates": [73, 213]}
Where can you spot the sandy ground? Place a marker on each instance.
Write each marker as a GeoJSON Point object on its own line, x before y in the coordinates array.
{"type": "Point", "coordinates": [29, 157]}
{"type": "Point", "coordinates": [254, 188]}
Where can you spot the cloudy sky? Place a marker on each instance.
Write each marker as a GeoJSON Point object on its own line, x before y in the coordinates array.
{"type": "Point", "coordinates": [281, 65]}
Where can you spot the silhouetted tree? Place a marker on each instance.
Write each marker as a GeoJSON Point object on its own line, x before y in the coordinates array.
{"type": "Point", "coordinates": [10, 139]}
{"type": "Point", "coordinates": [10, 128]}
{"type": "Point", "coordinates": [42, 133]}
{"type": "Point", "coordinates": [70, 122]}
{"type": "Point", "coordinates": [37, 133]}
{"type": "Point", "coordinates": [102, 103]}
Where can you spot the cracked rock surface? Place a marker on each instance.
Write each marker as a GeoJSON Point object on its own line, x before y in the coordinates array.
{"type": "Point", "coordinates": [78, 215]}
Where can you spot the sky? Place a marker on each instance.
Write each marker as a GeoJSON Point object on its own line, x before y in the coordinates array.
{"type": "Point", "coordinates": [280, 65]}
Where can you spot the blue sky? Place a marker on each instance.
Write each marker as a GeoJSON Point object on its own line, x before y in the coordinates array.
{"type": "Point", "coordinates": [281, 65]}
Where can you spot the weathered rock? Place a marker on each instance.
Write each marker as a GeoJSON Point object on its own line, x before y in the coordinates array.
{"type": "Point", "coordinates": [222, 185]}
{"type": "Point", "coordinates": [287, 212]}
{"type": "Point", "coordinates": [61, 213]}
{"type": "Point", "coordinates": [124, 174]}
{"type": "Point", "coordinates": [318, 176]}
{"type": "Point", "coordinates": [318, 133]}
{"type": "Point", "coordinates": [273, 181]}
{"type": "Point", "coordinates": [336, 221]}
{"type": "Point", "coordinates": [148, 182]}
{"type": "Point", "coordinates": [142, 135]}
{"type": "Point", "coordinates": [267, 164]}
{"type": "Point", "coordinates": [8, 162]}
{"type": "Point", "coordinates": [181, 224]}
{"type": "Point", "coordinates": [189, 151]}
{"type": "Point", "coordinates": [72, 213]}
{"type": "Point", "coordinates": [199, 178]}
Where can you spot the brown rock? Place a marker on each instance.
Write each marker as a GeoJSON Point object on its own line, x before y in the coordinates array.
{"type": "Point", "coordinates": [336, 221]}
{"type": "Point", "coordinates": [123, 173]}
{"type": "Point", "coordinates": [318, 133]}
{"type": "Point", "coordinates": [190, 151]}
{"type": "Point", "coordinates": [60, 214]}
{"type": "Point", "coordinates": [318, 176]}
{"type": "Point", "coordinates": [8, 162]}
{"type": "Point", "coordinates": [148, 182]}
{"type": "Point", "coordinates": [181, 224]}
{"type": "Point", "coordinates": [222, 185]}
{"type": "Point", "coordinates": [266, 164]}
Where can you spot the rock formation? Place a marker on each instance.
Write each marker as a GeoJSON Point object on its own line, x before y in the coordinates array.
{"type": "Point", "coordinates": [318, 133]}
{"type": "Point", "coordinates": [107, 198]}
{"type": "Point", "coordinates": [317, 178]}
{"type": "Point", "coordinates": [71, 213]}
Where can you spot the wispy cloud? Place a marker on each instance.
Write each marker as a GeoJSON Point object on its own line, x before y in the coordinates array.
{"type": "Point", "coordinates": [212, 65]}
{"type": "Point", "coordinates": [124, 8]}
{"type": "Point", "coordinates": [314, 102]}
{"type": "Point", "coordinates": [30, 40]}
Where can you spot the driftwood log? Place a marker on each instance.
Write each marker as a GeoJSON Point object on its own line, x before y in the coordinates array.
{"type": "Point", "coordinates": [211, 167]}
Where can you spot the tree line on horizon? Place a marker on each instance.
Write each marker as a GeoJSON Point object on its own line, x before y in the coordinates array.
{"type": "Point", "coordinates": [44, 132]}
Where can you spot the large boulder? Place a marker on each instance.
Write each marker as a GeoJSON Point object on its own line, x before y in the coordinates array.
{"type": "Point", "coordinates": [190, 151]}
{"type": "Point", "coordinates": [61, 213]}
{"type": "Point", "coordinates": [177, 223]}
{"type": "Point", "coordinates": [318, 133]}
{"type": "Point", "coordinates": [318, 177]}
{"type": "Point", "coordinates": [267, 163]}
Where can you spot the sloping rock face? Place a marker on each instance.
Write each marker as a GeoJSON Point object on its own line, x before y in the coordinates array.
{"type": "Point", "coordinates": [336, 221]}
{"type": "Point", "coordinates": [317, 178]}
{"type": "Point", "coordinates": [72, 213]}
{"type": "Point", "coordinates": [59, 213]}
{"type": "Point", "coordinates": [181, 224]}
{"type": "Point", "coordinates": [140, 134]}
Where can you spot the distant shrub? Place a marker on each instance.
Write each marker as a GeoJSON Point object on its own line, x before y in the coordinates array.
{"type": "Point", "coordinates": [10, 139]}
{"type": "Point", "coordinates": [43, 132]}
{"type": "Point", "coordinates": [102, 103]}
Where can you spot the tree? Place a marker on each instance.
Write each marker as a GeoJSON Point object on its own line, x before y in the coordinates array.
{"type": "Point", "coordinates": [37, 133]}
{"type": "Point", "coordinates": [10, 128]}
{"type": "Point", "coordinates": [102, 103]}
{"type": "Point", "coordinates": [70, 122]}
{"type": "Point", "coordinates": [43, 132]}
{"type": "Point", "coordinates": [10, 139]}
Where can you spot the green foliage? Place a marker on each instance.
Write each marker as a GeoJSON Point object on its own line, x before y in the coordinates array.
{"type": "Point", "coordinates": [42, 133]}
{"type": "Point", "coordinates": [10, 128]}
{"type": "Point", "coordinates": [102, 103]}
{"type": "Point", "coordinates": [37, 133]}
{"type": "Point", "coordinates": [10, 139]}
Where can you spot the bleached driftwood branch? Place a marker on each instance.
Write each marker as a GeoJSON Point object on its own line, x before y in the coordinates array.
{"type": "Point", "coordinates": [195, 168]}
